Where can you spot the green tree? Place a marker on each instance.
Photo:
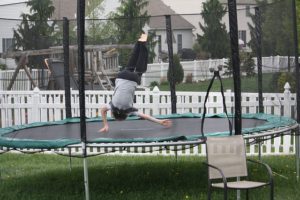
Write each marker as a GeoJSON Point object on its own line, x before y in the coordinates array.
{"type": "Point", "coordinates": [130, 19]}
{"type": "Point", "coordinates": [286, 77]}
{"type": "Point", "coordinates": [178, 71]}
{"type": "Point", "coordinates": [298, 21]}
{"type": "Point", "coordinates": [3, 66]}
{"type": "Point", "coordinates": [99, 31]}
{"type": "Point", "coordinates": [276, 26]}
{"type": "Point", "coordinates": [215, 39]}
{"type": "Point", "coordinates": [247, 65]}
{"type": "Point", "coordinates": [35, 32]}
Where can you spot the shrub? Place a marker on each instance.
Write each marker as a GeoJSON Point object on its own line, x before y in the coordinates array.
{"type": "Point", "coordinates": [286, 77]}
{"type": "Point", "coordinates": [178, 71]}
{"type": "Point", "coordinates": [154, 83]}
{"type": "Point", "coordinates": [3, 66]}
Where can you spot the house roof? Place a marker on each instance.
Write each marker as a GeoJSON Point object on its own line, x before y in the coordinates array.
{"type": "Point", "coordinates": [240, 2]}
{"type": "Point", "coordinates": [158, 9]}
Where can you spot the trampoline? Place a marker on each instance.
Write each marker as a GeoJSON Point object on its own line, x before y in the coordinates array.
{"type": "Point", "coordinates": [136, 132]}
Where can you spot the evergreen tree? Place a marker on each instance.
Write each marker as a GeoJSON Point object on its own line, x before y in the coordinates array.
{"type": "Point", "coordinates": [276, 25]}
{"type": "Point", "coordinates": [247, 65]}
{"type": "Point", "coordinates": [34, 32]}
{"type": "Point", "coordinates": [215, 39]}
{"type": "Point", "coordinates": [178, 71]}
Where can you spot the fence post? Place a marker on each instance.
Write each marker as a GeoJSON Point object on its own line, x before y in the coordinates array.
{"type": "Point", "coordinates": [155, 103]}
{"type": "Point", "coordinates": [1, 81]}
{"type": "Point", "coordinates": [35, 110]}
{"type": "Point", "coordinates": [277, 63]}
{"type": "Point", "coordinates": [194, 77]}
{"type": "Point", "coordinates": [161, 70]}
{"type": "Point", "coordinates": [287, 102]}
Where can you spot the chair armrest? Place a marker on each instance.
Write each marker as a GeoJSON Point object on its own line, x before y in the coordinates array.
{"type": "Point", "coordinates": [270, 173]}
{"type": "Point", "coordinates": [220, 171]}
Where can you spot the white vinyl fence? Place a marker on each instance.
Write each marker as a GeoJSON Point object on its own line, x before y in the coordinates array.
{"type": "Point", "coordinates": [23, 107]}
{"type": "Point", "coordinates": [155, 72]}
{"type": "Point", "coordinates": [200, 69]}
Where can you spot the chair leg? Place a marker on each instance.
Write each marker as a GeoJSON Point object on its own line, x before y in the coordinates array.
{"type": "Point", "coordinates": [271, 192]}
{"type": "Point", "coordinates": [247, 194]}
{"type": "Point", "coordinates": [209, 192]}
{"type": "Point", "coordinates": [225, 193]}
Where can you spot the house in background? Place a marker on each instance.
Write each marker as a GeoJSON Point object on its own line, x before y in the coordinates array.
{"type": "Point", "coordinates": [244, 9]}
{"type": "Point", "coordinates": [183, 36]}
{"type": "Point", "coordinates": [182, 30]}
{"type": "Point", "coordinates": [194, 7]}
{"type": "Point", "coordinates": [185, 26]}
{"type": "Point", "coordinates": [10, 12]}
{"type": "Point", "coordinates": [10, 18]}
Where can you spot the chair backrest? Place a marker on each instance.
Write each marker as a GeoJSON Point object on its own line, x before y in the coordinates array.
{"type": "Point", "coordinates": [228, 154]}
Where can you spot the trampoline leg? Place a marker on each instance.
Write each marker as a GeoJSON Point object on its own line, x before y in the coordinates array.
{"type": "Point", "coordinates": [238, 192]}
{"type": "Point", "coordinates": [86, 179]}
{"type": "Point", "coordinates": [259, 151]}
{"type": "Point", "coordinates": [297, 146]}
{"type": "Point", "coordinates": [70, 159]}
{"type": "Point", "coordinates": [85, 172]}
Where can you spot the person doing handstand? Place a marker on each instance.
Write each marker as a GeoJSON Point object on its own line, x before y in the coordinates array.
{"type": "Point", "coordinates": [126, 82]}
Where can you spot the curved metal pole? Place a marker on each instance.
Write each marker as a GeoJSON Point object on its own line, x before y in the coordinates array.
{"type": "Point", "coordinates": [259, 58]}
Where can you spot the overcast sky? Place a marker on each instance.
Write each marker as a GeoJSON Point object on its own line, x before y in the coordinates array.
{"type": "Point", "coordinates": [10, 1]}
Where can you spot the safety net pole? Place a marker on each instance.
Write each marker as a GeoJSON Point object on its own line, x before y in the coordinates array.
{"type": "Point", "coordinates": [81, 71]}
{"type": "Point", "coordinates": [171, 63]}
{"type": "Point", "coordinates": [259, 58]}
{"type": "Point", "coordinates": [66, 46]}
{"type": "Point", "coordinates": [297, 142]}
{"type": "Point", "coordinates": [235, 65]}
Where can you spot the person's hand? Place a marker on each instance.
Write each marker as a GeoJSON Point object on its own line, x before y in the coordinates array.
{"type": "Point", "coordinates": [166, 122]}
{"type": "Point", "coordinates": [104, 129]}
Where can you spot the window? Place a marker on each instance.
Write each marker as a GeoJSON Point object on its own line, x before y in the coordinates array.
{"type": "Point", "coordinates": [159, 43]}
{"type": "Point", "coordinates": [242, 38]}
{"type": "Point", "coordinates": [248, 11]}
{"type": "Point", "coordinates": [179, 42]}
{"type": "Point", "coordinates": [7, 44]}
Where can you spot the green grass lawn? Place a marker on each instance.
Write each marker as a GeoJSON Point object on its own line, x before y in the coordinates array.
{"type": "Point", "coordinates": [39, 177]}
{"type": "Point", "coordinates": [248, 84]}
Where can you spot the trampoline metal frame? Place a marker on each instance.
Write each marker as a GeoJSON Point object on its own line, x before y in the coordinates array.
{"type": "Point", "coordinates": [72, 150]}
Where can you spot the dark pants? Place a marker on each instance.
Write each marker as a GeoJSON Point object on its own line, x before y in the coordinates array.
{"type": "Point", "coordinates": [137, 64]}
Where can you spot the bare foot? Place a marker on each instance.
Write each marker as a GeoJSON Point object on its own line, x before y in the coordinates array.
{"type": "Point", "coordinates": [143, 38]}
{"type": "Point", "coordinates": [103, 130]}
